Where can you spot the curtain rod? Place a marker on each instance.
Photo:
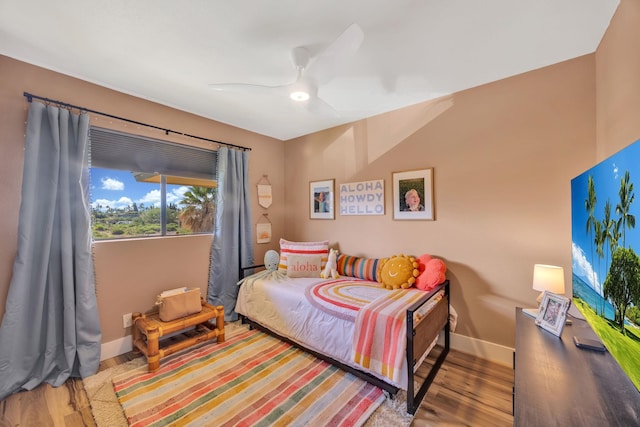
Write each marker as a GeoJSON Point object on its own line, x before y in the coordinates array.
{"type": "Point", "coordinates": [30, 98]}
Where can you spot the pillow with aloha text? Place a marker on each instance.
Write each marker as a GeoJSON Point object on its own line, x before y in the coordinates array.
{"type": "Point", "coordinates": [304, 265]}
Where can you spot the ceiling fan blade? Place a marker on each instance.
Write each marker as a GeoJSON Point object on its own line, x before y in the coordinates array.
{"type": "Point", "coordinates": [322, 69]}
{"type": "Point", "coordinates": [318, 106]}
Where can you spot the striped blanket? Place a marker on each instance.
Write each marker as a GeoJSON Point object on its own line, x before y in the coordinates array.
{"type": "Point", "coordinates": [252, 379]}
{"type": "Point", "coordinates": [344, 297]}
{"type": "Point", "coordinates": [380, 336]}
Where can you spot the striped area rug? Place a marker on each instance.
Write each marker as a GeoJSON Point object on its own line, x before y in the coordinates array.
{"type": "Point", "coordinates": [252, 379]}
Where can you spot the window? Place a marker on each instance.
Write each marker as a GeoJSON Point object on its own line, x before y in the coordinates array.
{"type": "Point", "coordinates": [147, 187]}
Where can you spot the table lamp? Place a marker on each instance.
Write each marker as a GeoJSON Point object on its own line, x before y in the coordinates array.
{"type": "Point", "coordinates": [546, 278]}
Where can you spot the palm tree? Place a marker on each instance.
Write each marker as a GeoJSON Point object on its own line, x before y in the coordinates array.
{"type": "Point", "coordinates": [599, 242]}
{"type": "Point", "coordinates": [590, 206]}
{"type": "Point", "coordinates": [199, 209]}
{"type": "Point", "coordinates": [610, 236]}
{"type": "Point", "coordinates": [622, 209]}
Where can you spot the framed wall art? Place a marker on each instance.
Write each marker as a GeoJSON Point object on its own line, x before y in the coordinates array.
{"type": "Point", "coordinates": [263, 229]}
{"type": "Point", "coordinates": [321, 199]}
{"type": "Point", "coordinates": [362, 198]}
{"type": "Point", "coordinates": [413, 195]}
{"type": "Point", "coordinates": [552, 314]}
{"type": "Point", "coordinates": [265, 197]}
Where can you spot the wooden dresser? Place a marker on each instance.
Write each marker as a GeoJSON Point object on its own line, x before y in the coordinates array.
{"type": "Point", "coordinates": [559, 384]}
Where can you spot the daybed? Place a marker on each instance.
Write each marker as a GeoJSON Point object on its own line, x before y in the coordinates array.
{"type": "Point", "coordinates": [330, 317]}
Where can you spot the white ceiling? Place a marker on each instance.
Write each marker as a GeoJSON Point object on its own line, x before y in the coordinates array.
{"type": "Point", "coordinates": [170, 51]}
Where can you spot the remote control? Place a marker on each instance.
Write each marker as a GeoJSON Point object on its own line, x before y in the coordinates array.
{"type": "Point", "coordinates": [589, 344]}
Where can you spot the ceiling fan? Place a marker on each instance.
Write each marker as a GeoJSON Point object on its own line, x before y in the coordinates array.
{"type": "Point", "coordinates": [313, 72]}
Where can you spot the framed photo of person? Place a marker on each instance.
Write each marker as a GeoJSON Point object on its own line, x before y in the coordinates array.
{"type": "Point", "coordinates": [552, 314]}
{"type": "Point", "coordinates": [321, 199]}
{"type": "Point", "coordinates": [413, 195]}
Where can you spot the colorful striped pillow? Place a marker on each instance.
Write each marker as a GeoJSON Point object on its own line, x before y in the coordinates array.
{"type": "Point", "coordinates": [362, 268]}
{"type": "Point", "coordinates": [303, 248]}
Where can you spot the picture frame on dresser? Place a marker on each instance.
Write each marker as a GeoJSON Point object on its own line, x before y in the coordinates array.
{"type": "Point", "coordinates": [553, 311]}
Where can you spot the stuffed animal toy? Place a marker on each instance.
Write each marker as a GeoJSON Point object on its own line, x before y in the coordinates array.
{"type": "Point", "coordinates": [432, 272]}
{"type": "Point", "coordinates": [330, 270]}
{"type": "Point", "coordinates": [271, 261]}
{"type": "Point", "coordinates": [398, 272]}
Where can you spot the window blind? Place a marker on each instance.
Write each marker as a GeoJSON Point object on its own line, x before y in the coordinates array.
{"type": "Point", "coordinates": [118, 150]}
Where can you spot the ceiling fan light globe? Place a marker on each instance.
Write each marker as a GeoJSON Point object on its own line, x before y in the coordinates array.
{"type": "Point", "coordinates": [299, 95]}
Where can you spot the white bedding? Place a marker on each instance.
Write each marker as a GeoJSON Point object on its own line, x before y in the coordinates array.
{"type": "Point", "coordinates": [283, 306]}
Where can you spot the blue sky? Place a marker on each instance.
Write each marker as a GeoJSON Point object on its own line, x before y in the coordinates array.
{"type": "Point", "coordinates": [607, 176]}
{"type": "Point", "coordinates": [118, 189]}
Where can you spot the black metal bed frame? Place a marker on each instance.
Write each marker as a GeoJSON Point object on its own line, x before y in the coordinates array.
{"type": "Point", "coordinates": [414, 401]}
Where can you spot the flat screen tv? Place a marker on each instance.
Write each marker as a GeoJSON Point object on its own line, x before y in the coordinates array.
{"type": "Point", "coordinates": [605, 216]}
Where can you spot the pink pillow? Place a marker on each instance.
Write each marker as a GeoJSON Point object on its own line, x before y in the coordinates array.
{"type": "Point", "coordinates": [432, 272]}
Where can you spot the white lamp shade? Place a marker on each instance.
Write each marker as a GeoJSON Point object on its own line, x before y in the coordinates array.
{"type": "Point", "coordinates": [548, 278]}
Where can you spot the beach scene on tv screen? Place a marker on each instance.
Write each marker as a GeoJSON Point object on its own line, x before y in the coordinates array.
{"type": "Point", "coordinates": [605, 254]}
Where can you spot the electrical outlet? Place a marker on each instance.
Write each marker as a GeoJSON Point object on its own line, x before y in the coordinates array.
{"type": "Point", "coordinates": [126, 320]}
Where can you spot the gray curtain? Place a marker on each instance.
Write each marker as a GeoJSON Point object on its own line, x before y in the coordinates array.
{"type": "Point", "coordinates": [232, 235]}
{"type": "Point", "coordinates": [50, 329]}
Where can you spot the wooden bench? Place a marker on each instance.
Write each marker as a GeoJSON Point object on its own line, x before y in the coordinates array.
{"type": "Point", "coordinates": [196, 328]}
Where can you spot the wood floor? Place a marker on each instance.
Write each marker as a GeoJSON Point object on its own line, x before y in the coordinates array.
{"type": "Point", "coordinates": [467, 391]}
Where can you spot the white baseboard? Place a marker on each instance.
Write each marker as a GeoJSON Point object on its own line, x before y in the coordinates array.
{"type": "Point", "coordinates": [483, 349]}
{"type": "Point", "coordinates": [116, 347]}
{"type": "Point", "coordinates": [123, 345]}
{"type": "Point", "coordinates": [486, 350]}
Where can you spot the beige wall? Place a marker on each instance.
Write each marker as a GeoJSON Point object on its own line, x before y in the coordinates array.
{"type": "Point", "coordinates": [503, 156]}
{"type": "Point", "coordinates": [129, 274]}
{"type": "Point", "coordinates": [618, 81]}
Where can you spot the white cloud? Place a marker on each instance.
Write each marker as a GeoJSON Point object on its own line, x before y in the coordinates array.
{"type": "Point", "coordinates": [177, 194]}
{"type": "Point", "coordinates": [152, 198]}
{"type": "Point", "coordinates": [121, 203]}
{"type": "Point", "coordinates": [582, 267]}
{"type": "Point", "coordinates": [112, 184]}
